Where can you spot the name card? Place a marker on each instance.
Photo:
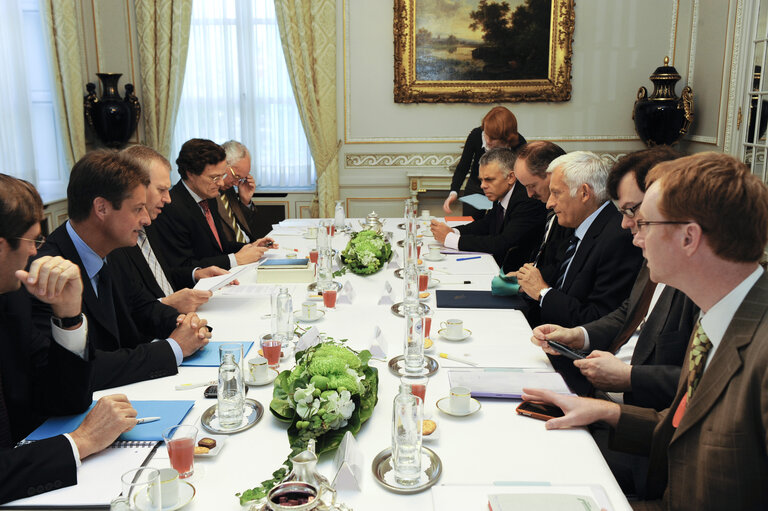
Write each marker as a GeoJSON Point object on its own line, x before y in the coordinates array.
{"type": "Point", "coordinates": [394, 261]}
{"type": "Point", "coordinates": [347, 294]}
{"type": "Point", "coordinates": [387, 296]}
{"type": "Point", "coordinates": [309, 339]}
{"type": "Point", "coordinates": [349, 464]}
{"type": "Point", "coordinates": [378, 346]}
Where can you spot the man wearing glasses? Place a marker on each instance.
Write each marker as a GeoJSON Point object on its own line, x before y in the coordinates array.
{"type": "Point", "coordinates": [240, 221]}
{"type": "Point", "coordinates": [190, 229]}
{"type": "Point", "coordinates": [703, 227]}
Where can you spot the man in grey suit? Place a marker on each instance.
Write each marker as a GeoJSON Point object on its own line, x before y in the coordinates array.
{"type": "Point", "coordinates": [703, 226]}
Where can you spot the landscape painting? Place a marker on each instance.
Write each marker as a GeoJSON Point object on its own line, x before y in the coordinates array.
{"type": "Point", "coordinates": [482, 50]}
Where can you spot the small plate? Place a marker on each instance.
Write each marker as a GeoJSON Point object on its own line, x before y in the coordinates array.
{"type": "Point", "coordinates": [424, 295]}
{"type": "Point", "coordinates": [401, 243]}
{"type": "Point", "coordinates": [433, 283]}
{"type": "Point", "coordinates": [220, 441]}
{"type": "Point", "coordinates": [186, 494]}
{"type": "Point", "coordinates": [271, 376]}
{"type": "Point", "coordinates": [435, 435]}
{"type": "Point", "coordinates": [431, 346]}
{"type": "Point", "coordinates": [426, 257]}
{"type": "Point", "coordinates": [298, 317]}
{"type": "Point", "coordinates": [402, 226]}
{"type": "Point", "coordinates": [307, 236]}
{"type": "Point", "coordinates": [431, 467]}
{"type": "Point", "coordinates": [465, 335]}
{"type": "Point", "coordinates": [396, 365]}
{"type": "Point", "coordinates": [313, 286]}
{"type": "Point", "coordinates": [252, 414]}
{"type": "Point", "coordinates": [444, 405]}
{"type": "Point", "coordinates": [397, 309]}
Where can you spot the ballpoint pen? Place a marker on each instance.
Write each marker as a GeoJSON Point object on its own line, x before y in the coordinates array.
{"type": "Point", "coordinates": [145, 420]}
{"type": "Point", "coordinates": [187, 386]}
{"type": "Point", "coordinates": [467, 258]}
{"type": "Point", "coordinates": [457, 359]}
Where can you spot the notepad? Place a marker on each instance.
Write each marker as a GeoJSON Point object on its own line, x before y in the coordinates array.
{"type": "Point", "coordinates": [171, 413]}
{"type": "Point", "coordinates": [284, 263]}
{"type": "Point", "coordinates": [505, 382]}
{"type": "Point", "coordinates": [208, 355]}
{"type": "Point", "coordinates": [454, 299]}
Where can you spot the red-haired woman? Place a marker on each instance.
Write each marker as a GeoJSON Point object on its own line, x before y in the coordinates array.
{"type": "Point", "coordinates": [498, 129]}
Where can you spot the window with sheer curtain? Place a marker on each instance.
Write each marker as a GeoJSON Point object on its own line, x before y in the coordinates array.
{"type": "Point", "coordinates": [236, 86]}
{"type": "Point", "coordinates": [30, 143]}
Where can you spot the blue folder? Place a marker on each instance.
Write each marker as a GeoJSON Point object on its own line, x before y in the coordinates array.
{"type": "Point", "coordinates": [456, 299]}
{"type": "Point", "coordinates": [208, 355]}
{"type": "Point", "coordinates": [171, 413]}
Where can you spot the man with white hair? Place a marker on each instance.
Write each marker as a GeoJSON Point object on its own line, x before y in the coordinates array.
{"type": "Point", "coordinates": [600, 263]}
{"type": "Point", "coordinates": [240, 222]}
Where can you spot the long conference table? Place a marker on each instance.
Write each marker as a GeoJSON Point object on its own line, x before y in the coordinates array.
{"type": "Point", "coordinates": [492, 446]}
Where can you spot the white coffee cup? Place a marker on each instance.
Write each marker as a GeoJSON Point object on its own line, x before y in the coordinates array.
{"type": "Point", "coordinates": [308, 310]}
{"type": "Point", "coordinates": [434, 250]}
{"type": "Point", "coordinates": [257, 368]}
{"type": "Point", "coordinates": [425, 214]}
{"type": "Point", "coordinates": [459, 399]}
{"type": "Point", "coordinates": [169, 487]}
{"type": "Point", "coordinates": [453, 328]}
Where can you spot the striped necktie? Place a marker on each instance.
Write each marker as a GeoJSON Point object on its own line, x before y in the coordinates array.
{"type": "Point", "coordinates": [154, 264]}
{"type": "Point", "coordinates": [239, 234]}
{"type": "Point", "coordinates": [573, 241]}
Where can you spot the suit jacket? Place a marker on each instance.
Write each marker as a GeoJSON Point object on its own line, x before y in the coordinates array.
{"type": "Point", "coordinates": [553, 251]}
{"type": "Point", "coordinates": [600, 277]}
{"type": "Point", "coordinates": [520, 235]}
{"type": "Point", "coordinates": [124, 352]}
{"type": "Point", "coordinates": [247, 218]}
{"type": "Point", "coordinates": [184, 237]}
{"type": "Point", "coordinates": [130, 263]}
{"type": "Point", "coordinates": [716, 458]}
{"type": "Point", "coordinates": [39, 379]}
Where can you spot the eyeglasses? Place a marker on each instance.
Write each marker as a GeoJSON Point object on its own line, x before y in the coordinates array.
{"type": "Point", "coordinates": [238, 180]}
{"type": "Point", "coordinates": [216, 179]}
{"type": "Point", "coordinates": [37, 241]}
{"type": "Point", "coordinates": [628, 212]}
{"type": "Point", "coordinates": [642, 223]}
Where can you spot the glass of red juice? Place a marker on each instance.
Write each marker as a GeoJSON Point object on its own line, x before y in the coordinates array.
{"type": "Point", "coordinates": [427, 325]}
{"type": "Point", "coordinates": [329, 298]}
{"type": "Point", "coordinates": [313, 256]}
{"type": "Point", "coordinates": [271, 349]}
{"type": "Point", "coordinates": [180, 441]}
{"type": "Point", "coordinates": [417, 384]}
{"type": "Point", "coordinates": [424, 276]}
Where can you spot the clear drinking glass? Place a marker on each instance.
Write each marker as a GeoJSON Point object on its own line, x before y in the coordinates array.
{"type": "Point", "coordinates": [141, 489]}
{"type": "Point", "coordinates": [413, 351]}
{"type": "Point", "coordinates": [407, 414]}
{"type": "Point", "coordinates": [180, 442]}
{"type": "Point", "coordinates": [410, 288]}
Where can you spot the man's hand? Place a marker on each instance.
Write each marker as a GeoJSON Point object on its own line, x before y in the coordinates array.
{"type": "Point", "coordinates": [56, 281]}
{"type": "Point", "coordinates": [187, 300]}
{"type": "Point", "coordinates": [606, 372]}
{"type": "Point", "coordinates": [439, 230]}
{"type": "Point", "coordinates": [210, 271]}
{"type": "Point", "coordinates": [448, 202]}
{"type": "Point", "coordinates": [266, 242]}
{"type": "Point", "coordinates": [530, 280]}
{"type": "Point", "coordinates": [579, 411]}
{"type": "Point", "coordinates": [190, 333]}
{"type": "Point", "coordinates": [250, 253]}
{"type": "Point", "coordinates": [111, 416]}
{"type": "Point", "coordinates": [245, 190]}
{"type": "Point", "coordinates": [571, 337]}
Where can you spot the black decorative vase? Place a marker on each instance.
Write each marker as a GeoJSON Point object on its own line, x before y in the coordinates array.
{"type": "Point", "coordinates": [662, 117]}
{"type": "Point", "coordinates": [114, 119]}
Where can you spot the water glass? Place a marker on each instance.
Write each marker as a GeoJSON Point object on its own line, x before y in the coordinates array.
{"type": "Point", "coordinates": [407, 414]}
{"type": "Point", "coordinates": [413, 351]}
{"type": "Point", "coordinates": [141, 489]}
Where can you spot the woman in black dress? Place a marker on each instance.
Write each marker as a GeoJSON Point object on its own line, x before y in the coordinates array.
{"type": "Point", "coordinates": [498, 129]}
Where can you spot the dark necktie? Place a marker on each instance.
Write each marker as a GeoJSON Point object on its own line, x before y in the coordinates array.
{"type": "Point", "coordinates": [6, 440]}
{"type": "Point", "coordinates": [572, 242]}
{"type": "Point", "coordinates": [209, 219]}
{"type": "Point", "coordinates": [499, 218]}
{"type": "Point", "coordinates": [547, 232]}
{"type": "Point", "coordinates": [106, 298]}
{"type": "Point", "coordinates": [638, 315]}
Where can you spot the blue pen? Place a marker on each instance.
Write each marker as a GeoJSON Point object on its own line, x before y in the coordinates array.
{"type": "Point", "coordinates": [467, 258]}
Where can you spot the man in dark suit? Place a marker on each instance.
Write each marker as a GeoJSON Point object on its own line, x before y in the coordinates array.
{"type": "Point", "coordinates": [43, 373]}
{"type": "Point", "coordinates": [240, 220]}
{"type": "Point", "coordinates": [189, 231]}
{"type": "Point", "coordinates": [106, 204]}
{"type": "Point", "coordinates": [600, 264]}
{"type": "Point", "coordinates": [531, 172]}
{"type": "Point", "coordinates": [512, 230]}
{"type": "Point", "coordinates": [708, 449]}
{"type": "Point", "coordinates": [171, 285]}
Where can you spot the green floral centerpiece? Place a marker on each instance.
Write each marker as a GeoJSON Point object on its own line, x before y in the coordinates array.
{"type": "Point", "coordinates": [366, 252]}
{"type": "Point", "coordinates": [331, 390]}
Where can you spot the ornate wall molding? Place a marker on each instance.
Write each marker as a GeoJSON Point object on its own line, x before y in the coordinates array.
{"type": "Point", "coordinates": [410, 160]}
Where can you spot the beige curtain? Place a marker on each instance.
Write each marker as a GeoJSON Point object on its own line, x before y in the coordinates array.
{"type": "Point", "coordinates": [308, 36]}
{"type": "Point", "coordinates": [163, 27]}
{"type": "Point", "coordinates": [61, 31]}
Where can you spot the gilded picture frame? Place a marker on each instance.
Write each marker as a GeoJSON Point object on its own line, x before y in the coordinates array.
{"type": "Point", "coordinates": [490, 60]}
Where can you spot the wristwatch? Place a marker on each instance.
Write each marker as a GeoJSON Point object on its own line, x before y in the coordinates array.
{"type": "Point", "coordinates": [67, 322]}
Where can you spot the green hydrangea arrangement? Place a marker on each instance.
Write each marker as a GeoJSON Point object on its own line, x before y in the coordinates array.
{"type": "Point", "coordinates": [331, 390]}
{"type": "Point", "coordinates": [366, 252]}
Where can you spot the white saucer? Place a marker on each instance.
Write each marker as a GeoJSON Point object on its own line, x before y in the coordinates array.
{"type": "Point", "coordinates": [427, 258]}
{"type": "Point", "coordinates": [319, 314]}
{"type": "Point", "coordinates": [431, 348]}
{"type": "Point", "coordinates": [271, 376]}
{"type": "Point", "coordinates": [433, 283]}
{"type": "Point", "coordinates": [220, 440]}
{"type": "Point", "coordinates": [444, 405]}
{"type": "Point", "coordinates": [186, 494]}
{"type": "Point", "coordinates": [307, 236]}
{"type": "Point", "coordinates": [466, 334]}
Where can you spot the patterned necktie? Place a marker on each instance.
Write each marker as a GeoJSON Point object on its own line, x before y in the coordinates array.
{"type": "Point", "coordinates": [697, 358]}
{"type": "Point", "coordinates": [154, 265]}
{"type": "Point", "coordinates": [209, 219]}
{"type": "Point", "coordinates": [239, 234]}
{"type": "Point", "coordinates": [572, 242]}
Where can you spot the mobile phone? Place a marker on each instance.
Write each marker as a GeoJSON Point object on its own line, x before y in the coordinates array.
{"type": "Point", "coordinates": [539, 410]}
{"type": "Point", "coordinates": [566, 351]}
{"type": "Point", "coordinates": [269, 243]}
{"type": "Point", "coordinates": [211, 392]}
